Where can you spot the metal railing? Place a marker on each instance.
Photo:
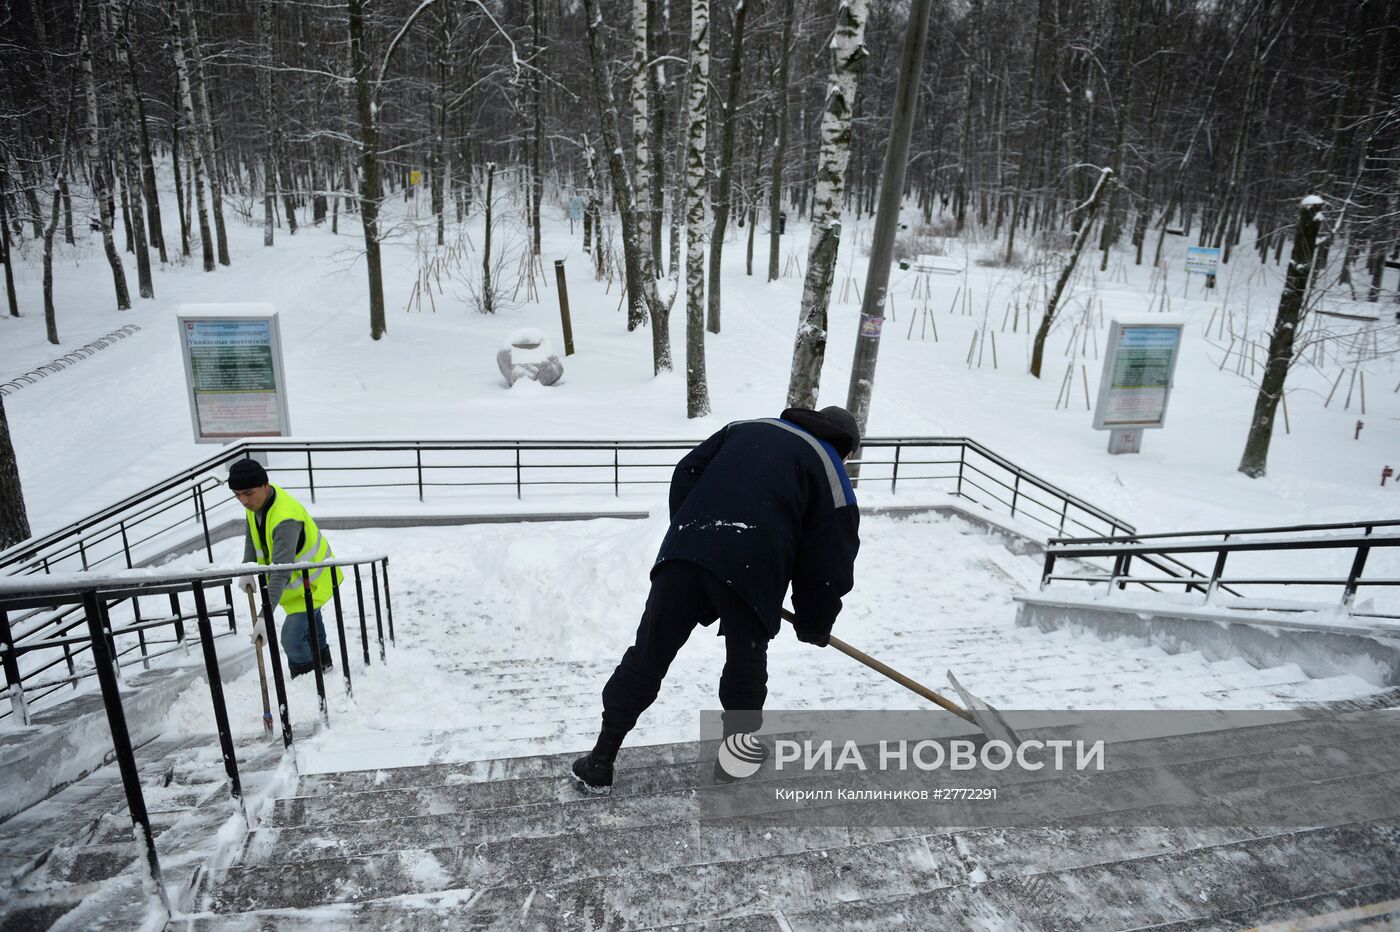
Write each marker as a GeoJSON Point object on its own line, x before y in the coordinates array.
{"type": "Point", "coordinates": [186, 510]}
{"type": "Point", "coordinates": [1167, 554]}
{"type": "Point", "coordinates": [95, 594]}
{"type": "Point", "coordinates": [43, 649]}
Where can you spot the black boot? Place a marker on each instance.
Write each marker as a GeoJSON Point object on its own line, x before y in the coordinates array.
{"type": "Point", "coordinates": [594, 770]}
{"type": "Point", "coordinates": [593, 775]}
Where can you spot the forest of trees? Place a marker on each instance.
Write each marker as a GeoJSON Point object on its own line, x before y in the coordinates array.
{"type": "Point", "coordinates": [682, 120]}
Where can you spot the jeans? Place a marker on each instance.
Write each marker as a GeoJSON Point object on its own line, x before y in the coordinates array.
{"type": "Point", "coordinates": [682, 596]}
{"type": "Point", "coordinates": [294, 641]}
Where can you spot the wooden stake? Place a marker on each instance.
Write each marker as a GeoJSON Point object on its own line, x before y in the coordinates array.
{"type": "Point", "coordinates": [1085, 370]}
{"type": "Point", "coordinates": [994, 350]}
{"type": "Point", "coordinates": [971, 349]}
{"type": "Point", "coordinates": [1340, 373]}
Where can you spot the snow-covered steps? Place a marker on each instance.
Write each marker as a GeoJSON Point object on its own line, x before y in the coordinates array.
{"type": "Point", "coordinates": [71, 858]}
{"type": "Point", "coordinates": [506, 844]}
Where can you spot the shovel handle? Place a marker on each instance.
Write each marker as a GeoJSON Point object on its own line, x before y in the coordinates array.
{"type": "Point", "coordinates": [892, 673]}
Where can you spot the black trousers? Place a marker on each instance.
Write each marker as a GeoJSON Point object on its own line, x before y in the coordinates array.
{"type": "Point", "coordinates": [682, 596]}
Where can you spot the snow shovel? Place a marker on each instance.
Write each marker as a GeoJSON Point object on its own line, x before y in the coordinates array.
{"type": "Point", "coordinates": [977, 712]}
{"type": "Point", "coordinates": [262, 670]}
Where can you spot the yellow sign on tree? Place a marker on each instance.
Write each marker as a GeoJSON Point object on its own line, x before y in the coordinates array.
{"type": "Point", "coordinates": [415, 177]}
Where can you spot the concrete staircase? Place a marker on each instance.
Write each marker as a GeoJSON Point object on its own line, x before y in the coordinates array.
{"type": "Point", "coordinates": [505, 844]}
{"type": "Point", "coordinates": [71, 861]}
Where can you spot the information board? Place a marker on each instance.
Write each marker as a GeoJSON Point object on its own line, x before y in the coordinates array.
{"type": "Point", "coordinates": [1137, 375]}
{"type": "Point", "coordinates": [234, 372]}
{"type": "Point", "coordinates": [1203, 259]}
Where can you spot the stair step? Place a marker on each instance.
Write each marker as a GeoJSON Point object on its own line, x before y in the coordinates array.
{"type": "Point", "coordinates": [514, 886]}
{"type": "Point", "coordinates": [1173, 887]}
{"type": "Point", "coordinates": [1372, 906]}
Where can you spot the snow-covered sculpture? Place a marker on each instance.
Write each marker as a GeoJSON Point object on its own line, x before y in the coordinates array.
{"type": "Point", "coordinates": [527, 354]}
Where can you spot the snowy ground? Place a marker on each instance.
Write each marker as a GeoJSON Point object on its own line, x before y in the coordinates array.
{"type": "Point", "coordinates": [113, 423]}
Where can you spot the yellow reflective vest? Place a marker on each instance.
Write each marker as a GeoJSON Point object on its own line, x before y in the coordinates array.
{"type": "Point", "coordinates": [314, 548]}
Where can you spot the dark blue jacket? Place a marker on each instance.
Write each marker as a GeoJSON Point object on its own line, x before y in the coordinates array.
{"type": "Point", "coordinates": [762, 504]}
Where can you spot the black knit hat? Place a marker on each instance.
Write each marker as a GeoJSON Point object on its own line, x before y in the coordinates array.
{"type": "Point", "coordinates": [845, 422]}
{"type": "Point", "coordinates": [833, 424]}
{"type": "Point", "coordinates": [246, 474]}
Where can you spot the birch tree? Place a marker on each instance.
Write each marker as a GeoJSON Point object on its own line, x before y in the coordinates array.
{"type": "Point", "coordinates": [726, 161]}
{"type": "Point", "coordinates": [636, 253]}
{"type": "Point", "coordinates": [848, 54]}
{"type": "Point", "coordinates": [697, 391]}
{"type": "Point", "coordinates": [100, 182]}
{"type": "Point", "coordinates": [193, 138]}
{"type": "Point", "coordinates": [203, 126]}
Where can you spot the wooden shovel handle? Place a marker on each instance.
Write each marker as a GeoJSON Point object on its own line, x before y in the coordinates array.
{"type": "Point", "coordinates": [893, 674]}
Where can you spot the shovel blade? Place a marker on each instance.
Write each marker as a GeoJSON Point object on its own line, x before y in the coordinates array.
{"type": "Point", "coordinates": [988, 719]}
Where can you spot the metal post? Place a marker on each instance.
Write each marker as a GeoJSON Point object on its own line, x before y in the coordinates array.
{"type": "Point", "coordinates": [121, 744]}
{"type": "Point", "coordinates": [315, 642]}
{"type": "Point", "coordinates": [204, 519]}
{"type": "Point", "coordinates": [13, 682]}
{"type": "Point", "coordinates": [962, 455]}
{"type": "Point", "coordinates": [564, 307]}
{"type": "Point", "coordinates": [310, 476]}
{"type": "Point", "coordinates": [418, 456]}
{"type": "Point", "coordinates": [179, 620]}
{"type": "Point", "coordinates": [274, 654]}
{"type": "Point", "coordinates": [1215, 573]}
{"type": "Point", "coordinates": [360, 598]}
{"type": "Point", "coordinates": [340, 632]}
{"type": "Point", "coordinates": [617, 478]}
{"type": "Point", "coordinates": [517, 473]}
{"type": "Point", "coordinates": [82, 554]}
{"type": "Point", "coordinates": [216, 691]}
{"type": "Point", "coordinates": [378, 618]}
{"type": "Point", "coordinates": [1064, 516]}
{"type": "Point", "coordinates": [388, 604]}
{"type": "Point", "coordinates": [1049, 568]}
{"type": "Point", "coordinates": [894, 476]}
{"type": "Point", "coordinates": [109, 637]}
{"type": "Point", "coordinates": [1127, 561]}
{"type": "Point", "coordinates": [126, 545]}
{"type": "Point", "coordinates": [228, 600]}
{"type": "Point", "coordinates": [1357, 565]}
{"type": "Point", "coordinates": [1015, 494]}
{"type": "Point", "coordinates": [140, 632]}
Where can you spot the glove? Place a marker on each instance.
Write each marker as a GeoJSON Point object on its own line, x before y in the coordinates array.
{"type": "Point", "coordinates": [248, 584]}
{"type": "Point", "coordinates": [811, 636]}
{"type": "Point", "coordinates": [259, 631]}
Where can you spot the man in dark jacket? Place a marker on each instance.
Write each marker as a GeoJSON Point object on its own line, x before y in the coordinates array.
{"type": "Point", "coordinates": [758, 506]}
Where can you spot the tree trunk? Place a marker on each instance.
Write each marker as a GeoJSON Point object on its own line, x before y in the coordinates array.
{"type": "Point", "coordinates": [488, 288]}
{"type": "Point", "coordinates": [1286, 324]}
{"type": "Point", "coordinates": [98, 168]}
{"type": "Point", "coordinates": [369, 169]}
{"type": "Point", "coordinates": [195, 141]}
{"type": "Point", "coordinates": [130, 158]}
{"type": "Point", "coordinates": [537, 98]}
{"type": "Point", "coordinates": [265, 28]}
{"type": "Point", "coordinates": [635, 251]}
{"type": "Point", "coordinates": [642, 13]}
{"type": "Point", "coordinates": [148, 168]}
{"type": "Point", "coordinates": [726, 162]}
{"type": "Point", "coordinates": [848, 56]}
{"type": "Point", "coordinates": [14, 520]}
{"type": "Point", "coordinates": [775, 183]}
{"type": "Point", "coordinates": [202, 127]}
{"type": "Point", "coordinates": [5, 256]}
{"type": "Point", "coordinates": [697, 390]}
{"type": "Point", "coordinates": [1086, 224]}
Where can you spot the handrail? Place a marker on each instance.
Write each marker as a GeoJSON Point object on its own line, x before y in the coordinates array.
{"type": "Point", "coordinates": [1155, 548]}
{"type": "Point", "coordinates": [98, 593]}
{"type": "Point", "coordinates": [180, 506]}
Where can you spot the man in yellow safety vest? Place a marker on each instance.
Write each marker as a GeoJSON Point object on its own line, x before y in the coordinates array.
{"type": "Point", "coordinates": [281, 531]}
